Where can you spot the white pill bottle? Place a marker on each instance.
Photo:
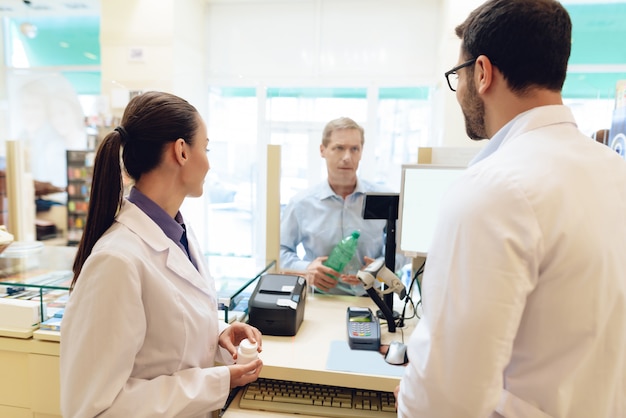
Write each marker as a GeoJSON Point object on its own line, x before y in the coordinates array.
{"type": "Point", "coordinates": [247, 351]}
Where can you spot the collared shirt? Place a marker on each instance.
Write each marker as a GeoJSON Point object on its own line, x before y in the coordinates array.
{"type": "Point", "coordinates": [318, 219]}
{"type": "Point", "coordinates": [523, 292]}
{"type": "Point", "coordinates": [494, 143]}
{"type": "Point", "coordinates": [172, 227]}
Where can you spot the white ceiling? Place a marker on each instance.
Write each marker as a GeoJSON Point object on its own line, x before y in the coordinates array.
{"type": "Point", "coordinates": [19, 8]}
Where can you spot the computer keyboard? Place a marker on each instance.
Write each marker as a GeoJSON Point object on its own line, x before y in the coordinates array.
{"type": "Point", "coordinates": [318, 400]}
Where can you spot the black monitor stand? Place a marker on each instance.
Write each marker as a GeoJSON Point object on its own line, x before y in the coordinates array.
{"type": "Point", "coordinates": [385, 206]}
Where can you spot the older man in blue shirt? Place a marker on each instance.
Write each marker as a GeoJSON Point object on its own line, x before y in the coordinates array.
{"type": "Point", "coordinates": [318, 218]}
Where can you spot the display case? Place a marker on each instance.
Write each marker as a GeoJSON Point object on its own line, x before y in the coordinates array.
{"type": "Point", "coordinates": [79, 173]}
{"type": "Point", "coordinates": [33, 272]}
{"type": "Point", "coordinates": [36, 272]}
{"type": "Point", "coordinates": [30, 366]}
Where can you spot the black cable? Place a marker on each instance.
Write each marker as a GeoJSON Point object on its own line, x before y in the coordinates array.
{"type": "Point", "coordinates": [408, 298]}
{"type": "Point", "coordinates": [420, 271]}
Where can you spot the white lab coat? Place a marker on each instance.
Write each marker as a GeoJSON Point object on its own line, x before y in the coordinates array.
{"type": "Point", "coordinates": [524, 291]}
{"type": "Point", "coordinates": [140, 331]}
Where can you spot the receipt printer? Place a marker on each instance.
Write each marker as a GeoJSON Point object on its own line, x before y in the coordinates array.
{"type": "Point", "coordinates": [276, 306]}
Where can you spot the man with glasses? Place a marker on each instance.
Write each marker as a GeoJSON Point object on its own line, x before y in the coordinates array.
{"type": "Point", "coordinates": [524, 290]}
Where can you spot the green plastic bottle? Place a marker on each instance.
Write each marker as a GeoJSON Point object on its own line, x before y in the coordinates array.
{"type": "Point", "coordinates": [343, 252]}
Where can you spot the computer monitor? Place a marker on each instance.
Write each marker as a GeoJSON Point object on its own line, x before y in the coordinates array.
{"type": "Point", "coordinates": [422, 188]}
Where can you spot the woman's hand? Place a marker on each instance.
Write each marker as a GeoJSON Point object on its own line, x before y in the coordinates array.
{"type": "Point", "coordinates": [232, 336]}
{"type": "Point", "coordinates": [242, 374]}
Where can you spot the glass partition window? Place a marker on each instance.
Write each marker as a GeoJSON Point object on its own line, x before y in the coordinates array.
{"type": "Point", "coordinates": [404, 125]}
{"type": "Point", "coordinates": [296, 119]}
{"type": "Point", "coordinates": [243, 121]}
{"type": "Point", "coordinates": [392, 139]}
{"type": "Point", "coordinates": [230, 186]}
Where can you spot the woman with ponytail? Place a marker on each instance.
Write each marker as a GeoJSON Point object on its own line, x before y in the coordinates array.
{"type": "Point", "coordinates": [141, 333]}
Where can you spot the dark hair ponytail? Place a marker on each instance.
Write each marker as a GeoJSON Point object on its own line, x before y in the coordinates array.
{"type": "Point", "coordinates": [105, 198]}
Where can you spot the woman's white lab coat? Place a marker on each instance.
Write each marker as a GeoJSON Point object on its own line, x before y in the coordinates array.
{"type": "Point", "coordinates": [140, 331]}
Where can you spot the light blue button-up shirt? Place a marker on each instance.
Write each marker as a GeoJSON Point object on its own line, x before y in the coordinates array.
{"type": "Point", "coordinates": [318, 219]}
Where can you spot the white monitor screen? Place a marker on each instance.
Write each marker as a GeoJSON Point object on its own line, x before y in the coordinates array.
{"type": "Point", "coordinates": [423, 185]}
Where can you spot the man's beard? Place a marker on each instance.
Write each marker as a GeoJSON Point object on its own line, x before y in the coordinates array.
{"type": "Point", "coordinates": [474, 112]}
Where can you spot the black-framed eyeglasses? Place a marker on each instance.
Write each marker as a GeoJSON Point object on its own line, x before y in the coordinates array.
{"type": "Point", "coordinates": [454, 80]}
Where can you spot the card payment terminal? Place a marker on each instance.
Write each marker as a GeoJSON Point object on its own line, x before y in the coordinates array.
{"type": "Point", "coordinates": [363, 329]}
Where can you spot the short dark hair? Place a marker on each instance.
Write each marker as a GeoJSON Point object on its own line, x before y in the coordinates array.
{"type": "Point", "coordinates": [529, 41]}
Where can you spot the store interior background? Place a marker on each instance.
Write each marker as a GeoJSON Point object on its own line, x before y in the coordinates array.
{"type": "Point", "coordinates": [264, 72]}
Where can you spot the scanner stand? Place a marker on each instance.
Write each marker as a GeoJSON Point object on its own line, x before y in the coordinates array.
{"type": "Point", "coordinates": [384, 206]}
{"type": "Point", "coordinates": [387, 313]}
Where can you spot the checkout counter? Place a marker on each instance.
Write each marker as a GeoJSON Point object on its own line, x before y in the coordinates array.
{"type": "Point", "coordinates": [318, 353]}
